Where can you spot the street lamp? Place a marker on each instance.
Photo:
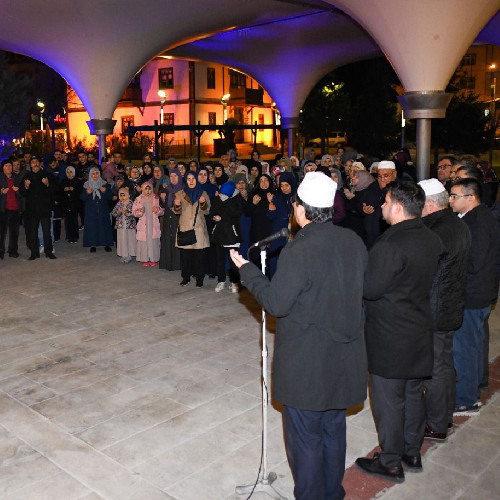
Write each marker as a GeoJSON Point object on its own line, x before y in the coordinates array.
{"type": "Point", "coordinates": [162, 95]}
{"type": "Point", "coordinates": [223, 101]}
{"type": "Point", "coordinates": [41, 105]}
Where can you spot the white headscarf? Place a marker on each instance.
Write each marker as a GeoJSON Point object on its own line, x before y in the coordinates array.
{"type": "Point", "coordinates": [94, 185]}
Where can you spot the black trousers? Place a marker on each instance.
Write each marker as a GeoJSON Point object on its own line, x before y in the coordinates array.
{"type": "Point", "coordinates": [222, 254]}
{"type": "Point", "coordinates": [399, 412]}
{"type": "Point", "coordinates": [316, 448]}
{"type": "Point", "coordinates": [71, 226]}
{"type": "Point", "coordinates": [32, 234]}
{"type": "Point", "coordinates": [193, 264]}
{"type": "Point", "coordinates": [9, 220]}
{"type": "Point", "coordinates": [440, 389]}
{"type": "Point", "coordinates": [486, 354]}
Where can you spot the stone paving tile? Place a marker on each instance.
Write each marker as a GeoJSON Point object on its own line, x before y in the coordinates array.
{"type": "Point", "coordinates": [58, 487]}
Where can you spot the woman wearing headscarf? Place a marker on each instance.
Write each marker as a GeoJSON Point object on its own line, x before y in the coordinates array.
{"type": "Point", "coordinates": [96, 194]}
{"type": "Point", "coordinates": [280, 209]}
{"type": "Point", "coordinates": [241, 182]}
{"type": "Point", "coordinates": [365, 191]}
{"type": "Point", "coordinates": [192, 203]}
{"type": "Point", "coordinates": [147, 172]}
{"type": "Point", "coordinates": [256, 208]}
{"type": "Point", "coordinates": [210, 189]}
{"type": "Point", "coordinates": [160, 180]}
{"type": "Point", "coordinates": [225, 213]}
{"type": "Point", "coordinates": [338, 203]}
{"type": "Point", "coordinates": [254, 172]}
{"type": "Point", "coordinates": [220, 176]}
{"type": "Point", "coordinates": [170, 257]}
{"type": "Point", "coordinates": [147, 209]}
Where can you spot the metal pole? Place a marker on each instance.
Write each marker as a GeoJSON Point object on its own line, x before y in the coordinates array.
{"type": "Point", "coordinates": [423, 148]}
{"type": "Point", "coordinates": [155, 153]}
{"type": "Point", "coordinates": [291, 137]}
{"type": "Point", "coordinates": [102, 147]}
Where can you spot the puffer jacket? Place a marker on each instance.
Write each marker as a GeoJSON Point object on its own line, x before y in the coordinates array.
{"type": "Point", "coordinates": [448, 285]}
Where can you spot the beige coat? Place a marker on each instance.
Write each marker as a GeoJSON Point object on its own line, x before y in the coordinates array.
{"type": "Point", "coordinates": [188, 211]}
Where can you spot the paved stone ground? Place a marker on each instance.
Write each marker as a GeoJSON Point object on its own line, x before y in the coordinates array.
{"type": "Point", "coordinates": [116, 383]}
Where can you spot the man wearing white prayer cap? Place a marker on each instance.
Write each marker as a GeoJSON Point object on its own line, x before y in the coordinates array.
{"type": "Point", "coordinates": [319, 365]}
{"type": "Point", "coordinates": [447, 304]}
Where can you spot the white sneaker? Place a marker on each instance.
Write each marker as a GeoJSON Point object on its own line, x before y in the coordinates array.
{"type": "Point", "coordinates": [234, 288]}
{"type": "Point", "coordinates": [220, 286]}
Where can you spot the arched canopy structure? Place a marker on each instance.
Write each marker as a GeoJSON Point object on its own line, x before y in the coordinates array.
{"type": "Point", "coordinates": [289, 56]}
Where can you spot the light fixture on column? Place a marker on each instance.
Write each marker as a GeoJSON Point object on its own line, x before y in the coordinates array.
{"type": "Point", "coordinates": [41, 106]}
{"type": "Point", "coordinates": [223, 101]}
{"type": "Point", "coordinates": [162, 95]}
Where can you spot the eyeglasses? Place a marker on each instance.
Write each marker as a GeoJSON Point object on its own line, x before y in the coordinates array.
{"type": "Point", "coordinates": [384, 176]}
{"type": "Point", "coordinates": [442, 167]}
{"type": "Point", "coordinates": [453, 196]}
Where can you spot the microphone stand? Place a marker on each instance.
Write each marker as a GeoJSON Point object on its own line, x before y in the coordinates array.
{"type": "Point", "coordinates": [265, 480]}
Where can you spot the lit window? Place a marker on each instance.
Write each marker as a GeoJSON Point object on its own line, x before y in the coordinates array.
{"type": "Point", "coordinates": [166, 78]}
{"type": "Point", "coordinates": [126, 121]}
{"type": "Point", "coordinates": [212, 118]}
{"type": "Point", "coordinates": [168, 120]}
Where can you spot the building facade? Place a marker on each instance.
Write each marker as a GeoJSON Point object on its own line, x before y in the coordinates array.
{"type": "Point", "coordinates": [193, 93]}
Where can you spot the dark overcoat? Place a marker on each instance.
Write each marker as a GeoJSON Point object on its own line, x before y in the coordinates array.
{"type": "Point", "coordinates": [448, 285]}
{"type": "Point", "coordinates": [97, 231]}
{"type": "Point", "coordinates": [316, 295]}
{"type": "Point", "coordinates": [399, 325]}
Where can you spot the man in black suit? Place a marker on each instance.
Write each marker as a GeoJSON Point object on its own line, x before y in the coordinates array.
{"type": "Point", "coordinates": [398, 330]}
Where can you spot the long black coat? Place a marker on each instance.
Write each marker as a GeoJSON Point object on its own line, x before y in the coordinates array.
{"type": "Point", "coordinates": [448, 285]}
{"type": "Point", "coordinates": [481, 289]}
{"type": "Point", "coordinates": [316, 294]}
{"type": "Point", "coordinates": [399, 325]}
{"type": "Point", "coordinates": [227, 230]}
{"type": "Point", "coordinates": [39, 197]}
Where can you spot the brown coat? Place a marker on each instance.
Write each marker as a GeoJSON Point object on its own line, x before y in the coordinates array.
{"type": "Point", "coordinates": [187, 211]}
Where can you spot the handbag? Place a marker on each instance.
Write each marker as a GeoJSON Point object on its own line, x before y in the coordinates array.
{"type": "Point", "coordinates": [187, 238]}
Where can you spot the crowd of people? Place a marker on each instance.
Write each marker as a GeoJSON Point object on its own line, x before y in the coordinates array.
{"type": "Point", "coordinates": [398, 277]}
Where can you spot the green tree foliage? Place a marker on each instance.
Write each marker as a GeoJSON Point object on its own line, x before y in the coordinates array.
{"type": "Point", "coordinates": [14, 106]}
{"type": "Point", "coordinates": [326, 107]}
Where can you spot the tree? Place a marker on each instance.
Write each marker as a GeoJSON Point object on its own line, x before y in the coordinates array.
{"type": "Point", "coordinates": [463, 128]}
{"type": "Point", "coordinates": [325, 108]}
{"type": "Point", "coordinates": [14, 106]}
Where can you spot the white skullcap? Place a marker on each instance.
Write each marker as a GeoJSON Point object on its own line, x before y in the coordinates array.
{"type": "Point", "coordinates": [373, 165]}
{"type": "Point", "coordinates": [387, 165]}
{"type": "Point", "coordinates": [317, 190]}
{"type": "Point", "coordinates": [431, 186]}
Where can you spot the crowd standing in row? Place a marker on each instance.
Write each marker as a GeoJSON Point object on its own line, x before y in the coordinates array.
{"type": "Point", "coordinates": [426, 286]}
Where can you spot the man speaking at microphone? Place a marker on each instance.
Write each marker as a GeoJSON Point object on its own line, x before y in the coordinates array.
{"type": "Point", "coordinates": [319, 365]}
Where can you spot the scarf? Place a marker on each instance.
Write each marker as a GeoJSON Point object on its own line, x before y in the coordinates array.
{"type": "Point", "coordinates": [193, 193]}
{"type": "Point", "coordinates": [364, 180]}
{"type": "Point", "coordinates": [94, 185]}
{"type": "Point", "coordinates": [174, 188]}
{"type": "Point", "coordinates": [207, 186]}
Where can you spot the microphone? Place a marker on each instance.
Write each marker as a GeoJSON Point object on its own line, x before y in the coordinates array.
{"type": "Point", "coordinates": [282, 233]}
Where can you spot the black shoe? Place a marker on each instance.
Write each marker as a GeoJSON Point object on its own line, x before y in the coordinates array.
{"type": "Point", "coordinates": [33, 257]}
{"type": "Point", "coordinates": [184, 282]}
{"type": "Point", "coordinates": [199, 284]}
{"type": "Point", "coordinates": [211, 276]}
{"type": "Point", "coordinates": [93, 249]}
{"type": "Point", "coordinates": [13, 254]}
{"type": "Point", "coordinates": [375, 468]}
{"type": "Point", "coordinates": [413, 464]}
{"type": "Point", "coordinates": [108, 249]}
{"type": "Point", "coordinates": [434, 436]}
{"type": "Point", "coordinates": [1, 256]}
{"type": "Point", "coordinates": [50, 256]}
